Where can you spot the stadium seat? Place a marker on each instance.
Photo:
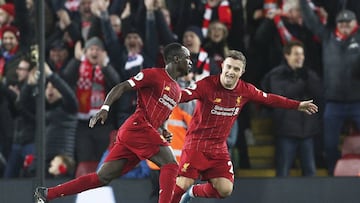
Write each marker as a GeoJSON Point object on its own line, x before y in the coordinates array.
{"type": "Point", "coordinates": [85, 168]}
{"type": "Point", "coordinates": [349, 165]}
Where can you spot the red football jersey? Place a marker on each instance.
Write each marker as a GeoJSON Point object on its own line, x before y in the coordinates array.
{"type": "Point", "coordinates": [158, 94]}
{"type": "Point", "coordinates": [217, 108]}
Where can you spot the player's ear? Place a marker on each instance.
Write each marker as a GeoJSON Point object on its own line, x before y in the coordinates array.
{"type": "Point", "coordinates": [176, 59]}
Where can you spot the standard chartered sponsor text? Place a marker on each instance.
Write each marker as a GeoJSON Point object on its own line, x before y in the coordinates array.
{"type": "Point", "coordinates": [224, 111]}
{"type": "Point", "coordinates": [167, 101]}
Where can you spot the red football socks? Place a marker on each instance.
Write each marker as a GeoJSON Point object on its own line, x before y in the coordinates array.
{"type": "Point", "coordinates": [167, 181]}
{"type": "Point", "coordinates": [75, 186]}
{"type": "Point", "coordinates": [178, 192]}
{"type": "Point", "coordinates": [205, 190]}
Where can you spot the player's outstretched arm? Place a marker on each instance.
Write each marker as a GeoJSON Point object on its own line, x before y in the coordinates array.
{"type": "Point", "coordinates": [308, 107]}
{"type": "Point", "coordinates": [114, 94]}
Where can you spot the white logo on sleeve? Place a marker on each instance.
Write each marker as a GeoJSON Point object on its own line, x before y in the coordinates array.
{"type": "Point", "coordinates": [139, 76]}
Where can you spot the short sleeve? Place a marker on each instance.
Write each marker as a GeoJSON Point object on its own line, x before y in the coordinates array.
{"type": "Point", "coordinates": [144, 78]}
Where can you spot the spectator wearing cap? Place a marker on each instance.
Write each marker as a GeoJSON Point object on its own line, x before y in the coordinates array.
{"type": "Point", "coordinates": [92, 76]}
{"type": "Point", "coordinates": [59, 56]}
{"type": "Point", "coordinates": [61, 119]}
{"type": "Point", "coordinates": [192, 39]}
{"type": "Point", "coordinates": [10, 37]}
{"type": "Point", "coordinates": [13, 44]}
{"type": "Point", "coordinates": [341, 53]}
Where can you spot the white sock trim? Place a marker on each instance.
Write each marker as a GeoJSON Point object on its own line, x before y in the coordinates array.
{"type": "Point", "coordinates": [191, 191]}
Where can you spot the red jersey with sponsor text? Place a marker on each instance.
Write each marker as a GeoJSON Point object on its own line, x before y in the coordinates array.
{"type": "Point", "coordinates": [217, 108]}
{"type": "Point", "coordinates": [158, 94]}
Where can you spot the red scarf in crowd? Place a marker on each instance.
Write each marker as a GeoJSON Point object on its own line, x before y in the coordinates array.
{"type": "Point", "coordinates": [90, 89]}
{"type": "Point", "coordinates": [284, 33]}
{"type": "Point", "coordinates": [342, 37]}
{"type": "Point", "coordinates": [2, 67]}
{"type": "Point", "coordinates": [203, 62]}
{"type": "Point", "coordinates": [224, 13]}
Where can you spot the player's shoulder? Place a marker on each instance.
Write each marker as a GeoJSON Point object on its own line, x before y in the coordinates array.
{"type": "Point", "coordinates": [209, 80]}
{"type": "Point", "coordinates": [245, 86]}
{"type": "Point", "coordinates": [153, 70]}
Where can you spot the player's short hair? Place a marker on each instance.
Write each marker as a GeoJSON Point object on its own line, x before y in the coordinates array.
{"type": "Point", "coordinates": [171, 50]}
{"type": "Point", "coordinates": [237, 55]}
{"type": "Point", "coordinates": [288, 46]}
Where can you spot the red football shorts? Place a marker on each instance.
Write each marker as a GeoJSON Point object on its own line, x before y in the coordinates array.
{"type": "Point", "coordinates": [135, 141]}
{"type": "Point", "coordinates": [194, 164]}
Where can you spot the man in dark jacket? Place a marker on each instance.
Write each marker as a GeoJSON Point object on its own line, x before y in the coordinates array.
{"type": "Point", "coordinates": [341, 57]}
{"type": "Point", "coordinates": [295, 131]}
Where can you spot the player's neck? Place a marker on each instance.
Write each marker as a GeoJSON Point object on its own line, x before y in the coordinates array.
{"type": "Point", "coordinates": [171, 72]}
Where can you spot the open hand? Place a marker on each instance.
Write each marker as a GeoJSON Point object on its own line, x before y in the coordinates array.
{"type": "Point", "coordinates": [308, 107]}
{"type": "Point", "coordinates": [101, 116]}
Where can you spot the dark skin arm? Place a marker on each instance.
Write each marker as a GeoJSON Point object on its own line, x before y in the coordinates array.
{"type": "Point", "coordinates": [114, 94]}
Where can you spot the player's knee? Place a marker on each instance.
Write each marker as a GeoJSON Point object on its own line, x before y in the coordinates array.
{"type": "Point", "coordinates": [105, 178]}
{"type": "Point", "coordinates": [225, 191]}
{"type": "Point", "coordinates": [184, 183]}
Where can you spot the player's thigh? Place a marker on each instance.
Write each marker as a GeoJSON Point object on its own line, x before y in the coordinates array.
{"type": "Point", "coordinates": [145, 142]}
{"type": "Point", "coordinates": [164, 156]}
{"type": "Point", "coordinates": [218, 168]}
{"type": "Point", "coordinates": [117, 153]}
{"type": "Point", "coordinates": [111, 170]}
{"type": "Point", "coordinates": [192, 163]}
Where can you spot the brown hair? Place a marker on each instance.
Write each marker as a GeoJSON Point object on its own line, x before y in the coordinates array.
{"type": "Point", "coordinates": [288, 46]}
{"type": "Point", "coordinates": [237, 55]}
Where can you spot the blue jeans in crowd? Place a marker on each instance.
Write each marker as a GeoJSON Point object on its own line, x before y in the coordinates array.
{"type": "Point", "coordinates": [286, 151]}
{"type": "Point", "coordinates": [335, 115]}
{"type": "Point", "coordinates": [16, 159]}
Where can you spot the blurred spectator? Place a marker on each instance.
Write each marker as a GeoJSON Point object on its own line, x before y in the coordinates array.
{"type": "Point", "coordinates": [62, 166]}
{"type": "Point", "coordinates": [59, 56]}
{"type": "Point", "coordinates": [129, 55]}
{"type": "Point", "coordinates": [66, 29]}
{"type": "Point", "coordinates": [216, 45]}
{"type": "Point", "coordinates": [216, 10]}
{"type": "Point", "coordinates": [341, 52]}
{"type": "Point", "coordinates": [61, 120]}
{"type": "Point", "coordinates": [7, 14]}
{"type": "Point", "coordinates": [192, 39]}
{"type": "Point", "coordinates": [280, 26]}
{"type": "Point", "coordinates": [14, 44]}
{"type": "Point", "coordinates": [92, 76]}
{"type": "Point", "coordinates": [85, 17]}
{"type": "Point", "coordinates": [295, 131]}
{"type": "Point", "coordinates": [24, 136]}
